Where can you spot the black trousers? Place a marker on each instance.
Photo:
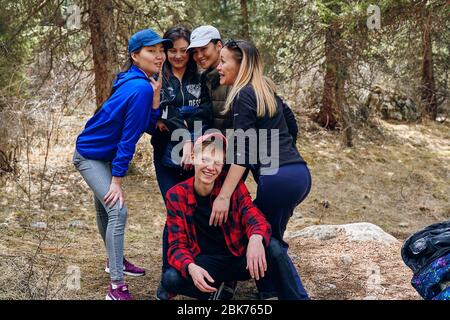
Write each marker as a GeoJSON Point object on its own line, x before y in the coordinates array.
{"type": "Point", "coordinates": [230, 268]}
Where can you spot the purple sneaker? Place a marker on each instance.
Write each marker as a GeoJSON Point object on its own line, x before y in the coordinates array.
{"type": "Point", "coordinates": [128, 269]}
{"type": "Point", "coordinates": [131, 270]}
{"type": "Point", "coordinates": [118, 292]}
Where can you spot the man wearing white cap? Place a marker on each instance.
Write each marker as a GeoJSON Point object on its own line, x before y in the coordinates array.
{"type": "Point", "coordinates": [206, 44]}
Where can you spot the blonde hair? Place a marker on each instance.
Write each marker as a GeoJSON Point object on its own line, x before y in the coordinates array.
{"type": "Point", "coordinates": [210, 146]}
{"type": "Point", "coordinates": [251, 72]}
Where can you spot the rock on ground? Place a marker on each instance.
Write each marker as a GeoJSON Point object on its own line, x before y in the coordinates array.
{"type": "Point", "coordinates": [354, 232]}
{"type": "Point", "coordinates": [353, 261]}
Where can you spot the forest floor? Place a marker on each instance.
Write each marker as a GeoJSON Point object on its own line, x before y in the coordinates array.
{"type": "Point", "coordinates": [396, 177]}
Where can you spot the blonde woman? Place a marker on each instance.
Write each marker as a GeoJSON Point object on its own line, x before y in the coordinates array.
{"type": "Point", "coordinates": [283, 176]}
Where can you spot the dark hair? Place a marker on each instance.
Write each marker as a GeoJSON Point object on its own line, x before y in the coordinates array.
{"type": "Point", "coordinates": [237, 47]}
{"type": "Point", "coordinates": [216, 41]}
{"type": "Point", "coordinates": [127, 65]}
{"type": "Point", "coordinates": [180, 32]}
{"type": "Point", "coordinates": [129, 62]}
{"type": "Point", "coordinates": [124, 68]}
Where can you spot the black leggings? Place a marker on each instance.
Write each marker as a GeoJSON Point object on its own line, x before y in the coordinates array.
{"type": "Point", "coordinates": [230, 268]}
{"type": "Point", "coordinates": [277, 196]}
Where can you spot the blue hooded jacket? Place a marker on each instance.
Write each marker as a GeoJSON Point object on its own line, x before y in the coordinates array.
{"type": "Point", "coordinates": [112, 133]}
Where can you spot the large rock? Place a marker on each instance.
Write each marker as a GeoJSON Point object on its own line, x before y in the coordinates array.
{"type": "Point", "coordinates": [351, 261]}
{"type": "Point", "coordinates": [354, 232]}
{"type": "Point", "coordinates": [390, 104]}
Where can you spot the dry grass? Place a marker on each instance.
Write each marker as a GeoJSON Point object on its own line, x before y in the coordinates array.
{"type": "Point", "coordinates": [401, 177]}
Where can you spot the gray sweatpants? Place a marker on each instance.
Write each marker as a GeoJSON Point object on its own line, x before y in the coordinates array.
{"type": "Point", "coordinates": [110, 221]}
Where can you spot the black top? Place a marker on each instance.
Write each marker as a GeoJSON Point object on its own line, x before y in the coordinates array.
{"type": "Point", "coordinates": [210, 238]}
{"type": "Point", "coordinates": [175, 94]}
{"type": "Point", "coordinates": [256, 149]}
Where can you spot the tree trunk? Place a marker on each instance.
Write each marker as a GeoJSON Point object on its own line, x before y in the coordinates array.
{"type": "Point", "coordinates": [104, 51]}
{"type": "Point", "coordinates": [341, 103]}
{"type": "Point", "coordinates": [333, 109]}
{"type": "Point", "coordinates": [327, 116]}
{"type": "Point", "coordinates": [428, 84]}
{"type": "Point", "coordinates": [245, 20]}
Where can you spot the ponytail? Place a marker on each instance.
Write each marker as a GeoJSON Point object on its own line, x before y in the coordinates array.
{"type": "Point", "coordinates": [125, 67]}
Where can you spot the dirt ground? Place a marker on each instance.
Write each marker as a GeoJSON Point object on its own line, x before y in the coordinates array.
{"type": "Point", "coordinates": [398, 180]}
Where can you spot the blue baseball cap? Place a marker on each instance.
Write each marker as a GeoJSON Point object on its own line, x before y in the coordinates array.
{"type": "Point", "coordinates": [146, 38]}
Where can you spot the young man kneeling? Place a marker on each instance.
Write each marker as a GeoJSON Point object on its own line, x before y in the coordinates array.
{"type": "Point", "coordinates": [201, 255]}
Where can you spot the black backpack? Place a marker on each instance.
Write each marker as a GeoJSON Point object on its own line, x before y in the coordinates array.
{"type": "Point", "coordinates": [426, 245]}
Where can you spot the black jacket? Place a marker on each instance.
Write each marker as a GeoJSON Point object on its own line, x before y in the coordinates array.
{"type": "Point", "coordinates": [218, 95]}
{"type": "Point", "coordinates": [175, 94]}
{"type": "Point", "coordinates": [245, 117]}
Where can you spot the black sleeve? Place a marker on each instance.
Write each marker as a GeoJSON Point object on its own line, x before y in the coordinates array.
{"type": "Point", "coordinates": [174, 123]}
{"type": "Point", "coordinates": [244, 117]}
{"type": "Point", "coordinates": [174, 120]}
{"type": "Point", "coordinates": [290, 121]}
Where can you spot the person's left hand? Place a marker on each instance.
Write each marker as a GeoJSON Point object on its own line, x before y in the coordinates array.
{"type": "Point", "coordinates": [161, 126]}
{"type": "Point", "coordinates": [256, 257]}
{"type": "Point", "coordinates": [219, 213]}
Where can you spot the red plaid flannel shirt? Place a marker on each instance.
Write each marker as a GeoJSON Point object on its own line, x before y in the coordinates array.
{"type": "Point", "coordinates": [244, 220]}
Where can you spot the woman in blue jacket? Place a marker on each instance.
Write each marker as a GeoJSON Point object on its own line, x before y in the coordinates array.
{"type": "Point", "coordinates": [183, 101]}
{"type": "Point", "coordinates": [107, 144]}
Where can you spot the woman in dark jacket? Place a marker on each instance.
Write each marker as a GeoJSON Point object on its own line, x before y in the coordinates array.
{"type": "Point", "coordinates": [284, 179]}
{"type": "Point", "coordinates": [183, 102]}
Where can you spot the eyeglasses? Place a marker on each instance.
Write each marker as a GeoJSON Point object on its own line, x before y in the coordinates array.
{"type": "Point", "coordinates": [232, 44]}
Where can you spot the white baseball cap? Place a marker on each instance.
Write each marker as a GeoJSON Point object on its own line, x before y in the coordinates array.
{"type": "Point", "coordinates": [201, 36]}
